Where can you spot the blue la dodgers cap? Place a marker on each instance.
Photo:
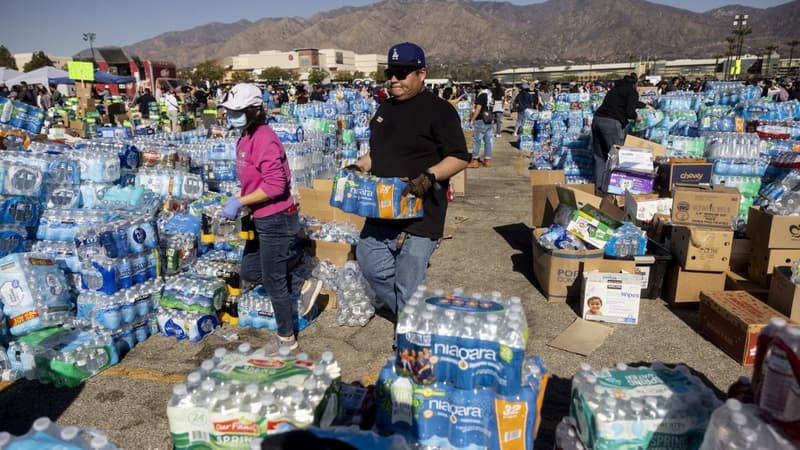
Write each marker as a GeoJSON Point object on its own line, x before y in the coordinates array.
{"type": "Point", "coordinates": [407, 55]}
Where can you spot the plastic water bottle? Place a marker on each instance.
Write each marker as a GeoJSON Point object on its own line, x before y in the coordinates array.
{"type": "Point", "coordinates": [780, 390]}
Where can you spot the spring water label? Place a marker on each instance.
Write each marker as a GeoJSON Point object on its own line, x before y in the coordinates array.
{"type": "Point", "coordinates": [234, 430]}
{"type": "Point", "coordinates": [261, 370]}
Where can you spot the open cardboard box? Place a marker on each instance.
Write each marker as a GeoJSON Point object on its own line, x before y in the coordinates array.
{"type": "Point", "coordinates": [559, 272]}
{"type": "Point", "coordinates": [545, 199]}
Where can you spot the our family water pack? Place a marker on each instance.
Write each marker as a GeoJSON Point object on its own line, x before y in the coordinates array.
{"type": "Point", "coordinates": [61, 356]}
{"type": "Point", "coordinates": [46, 434]}
{"type": "Point", "coordinates": [369, 196]}
{"type": "Point", "coordinates": [34, 292]}
{"type": "Point", "coordinates": [641, 407]}
{"type": "Point", "coordinates": [468, 341]}
{"type": "Point", "coordinates": [440, 415]}
{"type": "Point", "coordinates": [237, 396]}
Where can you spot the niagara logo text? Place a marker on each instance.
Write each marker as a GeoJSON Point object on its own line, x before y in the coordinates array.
{"type": "Point", "coordinates": [466, 354]}
{"type": "Point", "coordinates": [455, 410]}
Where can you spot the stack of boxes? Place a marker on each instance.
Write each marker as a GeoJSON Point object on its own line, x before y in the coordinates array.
{"type": "Point", "coordinates": [701, 241]}
{"type": "Point", "coordinates": [775, 241]}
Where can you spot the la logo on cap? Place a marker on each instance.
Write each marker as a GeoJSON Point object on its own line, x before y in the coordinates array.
{"type": "Point", "coordinates": [395, 56]}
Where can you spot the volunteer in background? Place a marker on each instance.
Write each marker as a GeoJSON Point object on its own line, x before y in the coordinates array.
{"type": "Point", "coordinates": [416, 135]}
{"type": "Point", "coordinates": [171, 103]}
{"type": "Point", "coordinates": [263, 171]}
{"type": "Point", "coordinates": [610, 121]}
{"type": "Point", "coordinates": [481, 121]}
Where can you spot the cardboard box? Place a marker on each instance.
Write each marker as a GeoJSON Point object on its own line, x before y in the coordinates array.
{"type": "Point", "coordinates": [592, 226]}
{"type": "Point", "coordinates": [773, 231]}
{"type": "Point", "coordinates": [764, 260]}
{"type": "Point", "coordinates": [740, 254]}
{"type": "Point", "coordinates": [732, 321]}
{"type": "Point", "coordinates": [683, 287]}
{"type": "Point", "coordinates": [672, 173]}
{"type": "Point", "coordinates": [578, 198]}
{"type": "Point", "coordinates": [642, 208]}
{"type": "Point", "coordinates": [735, 281]}
{"type": "Point", "coordinates": [714, 206]}
{"type": "Point", "coordinates": [559, 271]}
{"type": "Point", "coordinates": [545, 202]}
{"type": "Point", "coordinates": [702, 249]}
{"type": "Point", "coordinates": [611, 297]}
{"type": "Point", "coordinates": [316, 202]}
{"type": "Point", "coordinates": [546, 177]}
{"type": "Point", "coordinates": [784, 295]}
{"type": "Point", "coordinates": [633, 141]}
{"type": "Point", "coordinates": [459, 183]}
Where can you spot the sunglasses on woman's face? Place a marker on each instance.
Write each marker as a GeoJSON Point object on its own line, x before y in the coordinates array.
{"type": "Point", "coordinates": [400, 72]}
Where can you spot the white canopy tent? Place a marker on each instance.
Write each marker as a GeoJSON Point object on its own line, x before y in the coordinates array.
{"type": "Point", "coordinates": [7, 74]}
{"type": "Point", "coordinates": [42, 75]}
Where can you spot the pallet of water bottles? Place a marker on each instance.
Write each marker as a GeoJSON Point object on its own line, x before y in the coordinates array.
{"type": "Point", "coordinates": [240, 395]}
{"type": "Point", "coordinates": [370, 196]}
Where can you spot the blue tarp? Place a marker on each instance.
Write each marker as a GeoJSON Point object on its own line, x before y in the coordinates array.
{"type": "Point", "coordinates": [100, 77]}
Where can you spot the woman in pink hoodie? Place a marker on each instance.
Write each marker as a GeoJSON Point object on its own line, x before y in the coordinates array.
{"type": "Point", "coordinates": [263, 170]}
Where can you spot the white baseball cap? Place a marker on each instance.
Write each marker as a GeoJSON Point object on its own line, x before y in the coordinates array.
{"type": "Point", "coordinates": [242, 96]}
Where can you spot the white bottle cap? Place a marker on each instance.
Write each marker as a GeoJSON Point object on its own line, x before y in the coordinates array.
{"type": "Point", "coordinates": [42, 423]}
{"type": "Point", "coordinates": [67, 433]}
{"type": "Point", "coordinates": [179, 390]}
{"type": "Point", "coordinates": [99, 441]}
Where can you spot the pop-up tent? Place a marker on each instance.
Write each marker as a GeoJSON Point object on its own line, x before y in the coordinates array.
{"type": "Point", "coordinates": [43, 75]}
{"type": "Point", "coordinates": [100, 77]}
{"type": "Point", "coordinates": [7, 74]}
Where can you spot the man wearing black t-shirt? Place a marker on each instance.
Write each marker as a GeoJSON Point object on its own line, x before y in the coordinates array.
{"type": "Point", "coordinates": [414, 135]}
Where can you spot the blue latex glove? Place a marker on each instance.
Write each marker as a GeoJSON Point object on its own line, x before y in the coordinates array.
{"type": "Point", "coordinates": [231, 208]}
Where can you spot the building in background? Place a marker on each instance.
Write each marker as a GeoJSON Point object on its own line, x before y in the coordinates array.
{"type": "Point", "coordinates": [301, 62]}
{"type": "Point", "coordinates": [59, 62]}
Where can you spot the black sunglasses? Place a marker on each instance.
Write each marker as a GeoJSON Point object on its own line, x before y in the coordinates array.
{"type": "Point", "coordinates": [400, 73]}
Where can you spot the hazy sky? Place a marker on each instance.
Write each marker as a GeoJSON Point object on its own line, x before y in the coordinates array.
{"type": "Point", "coordinates": [57, 26]}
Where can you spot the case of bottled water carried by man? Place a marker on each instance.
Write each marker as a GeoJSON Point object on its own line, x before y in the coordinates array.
{"type": "Point", "coordinates": [369, 196]}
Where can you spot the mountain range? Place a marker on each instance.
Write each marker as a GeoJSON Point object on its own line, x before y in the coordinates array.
{"type": "Point", "coordinates": [497, 33]}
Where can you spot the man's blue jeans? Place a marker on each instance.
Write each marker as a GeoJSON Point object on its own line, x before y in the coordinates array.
{"type": "Point", "coordinates": [482, 132]}
{"type": "Point", "coordinates": [393, 273]}
{"type": "Point", "coordinates": [606, 133]}
{"type": "Point", "coordinates": [266, 261]}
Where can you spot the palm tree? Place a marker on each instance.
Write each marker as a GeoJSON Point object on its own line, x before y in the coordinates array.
{"type": "Point", "coordinates": [769, 50]}
{"type": "Point", "coordinates": [792, 44]}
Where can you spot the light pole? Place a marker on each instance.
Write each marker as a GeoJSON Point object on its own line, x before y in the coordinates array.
{"type": "Point", "coordinates": [90, 37]}
{"type": "Point", "coordinates": [740, 30]}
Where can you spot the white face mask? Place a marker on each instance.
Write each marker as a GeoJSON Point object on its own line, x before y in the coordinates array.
{"type": "Point", "coordinates": [237, 119]}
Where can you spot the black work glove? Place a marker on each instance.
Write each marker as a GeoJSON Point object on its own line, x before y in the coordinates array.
{"type": "Point", "coordinates": [421, 184]}
{"type": "Point", "coordinates": [354, 168]}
